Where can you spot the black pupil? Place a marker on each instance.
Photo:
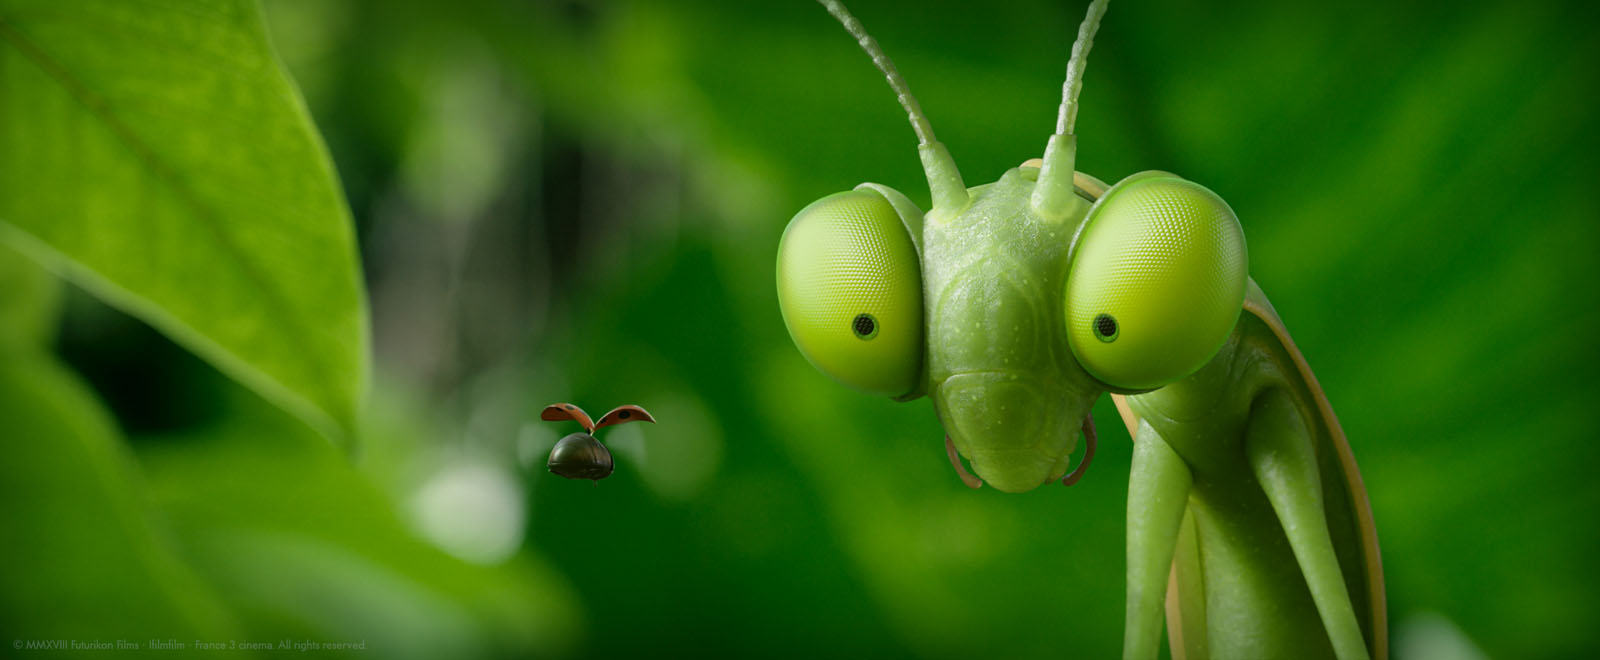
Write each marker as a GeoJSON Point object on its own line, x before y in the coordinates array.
{"type": "Point", "coordinates": [624, 414]}
{"type": "Point", "coordinates": [864, 325]}
{"type": "Point", "coordinates": [1104, 325]}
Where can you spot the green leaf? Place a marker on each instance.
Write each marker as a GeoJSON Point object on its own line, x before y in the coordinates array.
{"type": "Point", "coordinates": [158, 156]}
{"type": "Point", "coordinates": [79, 557]}
{"type": "Point", "coordinates": [30, 301]}
{"type": "Point", "coordinates": [304, 543]}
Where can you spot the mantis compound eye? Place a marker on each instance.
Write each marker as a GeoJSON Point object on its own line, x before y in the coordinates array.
{"type": "Point", "coordinates": [1156, 282]}
{"type": "Point", "coordinates": [850, 288]}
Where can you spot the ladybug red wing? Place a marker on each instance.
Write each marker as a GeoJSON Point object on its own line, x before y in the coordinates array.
{"type": "Point", "coordinates": [561, 412]}
{"type": "Point", "coordinates": [623, 415]}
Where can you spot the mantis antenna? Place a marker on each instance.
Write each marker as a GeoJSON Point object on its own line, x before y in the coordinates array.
{"type": "Point", "coordinates": [1053, 197]}
{"type": "Point", "coordinates": [944, 180]}
{"type": "Point", "coordinates": [1075, 65]}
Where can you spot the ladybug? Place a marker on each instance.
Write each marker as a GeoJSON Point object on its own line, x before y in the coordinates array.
{"type": "Point", "coordinates": [580, 455]}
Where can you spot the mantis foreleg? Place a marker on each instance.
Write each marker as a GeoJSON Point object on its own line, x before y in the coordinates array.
{"type": "Point", "coordinates": [1278, 443]}
{"type": "Point", "coordinates": [1158, 493]}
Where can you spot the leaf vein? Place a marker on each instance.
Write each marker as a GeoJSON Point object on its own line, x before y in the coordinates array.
{"type": "Point", "coordinates": [97, 106]}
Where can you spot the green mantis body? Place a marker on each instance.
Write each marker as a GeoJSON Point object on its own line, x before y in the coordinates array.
{"type": "Point", "coordinates": [1225, 461]}
{"type": "Point", "coordinates": [1014, 305]}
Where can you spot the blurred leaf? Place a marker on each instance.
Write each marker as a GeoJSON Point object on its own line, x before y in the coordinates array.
{"type": "Point", "coordinates": [79, 557]}
{"type": "Point", "coordinates": [961, 573]}
{"type": "Point", "coordinates": [158, 156]}
{"type": "Point", "coordinates": [1429, 635]}
{"type": "Point", "coordinates": [305, 544]}
{"type": "Point", "coordinates": [459, 154]}
{"type": "Point", "coordinates": [30, 300]}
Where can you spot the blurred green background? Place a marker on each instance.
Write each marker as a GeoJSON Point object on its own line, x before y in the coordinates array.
{"type": "Point", "coordinates": [581, 201]}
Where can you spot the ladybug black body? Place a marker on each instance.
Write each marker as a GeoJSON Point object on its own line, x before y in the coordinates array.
{"type": "Point", "coordinates": [581, 456]}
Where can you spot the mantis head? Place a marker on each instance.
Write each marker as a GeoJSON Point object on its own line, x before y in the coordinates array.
{"type": "Point", "coordinates": [1015, 304]}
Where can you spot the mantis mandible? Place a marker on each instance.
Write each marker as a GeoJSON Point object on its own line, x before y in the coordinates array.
{"type": "Point", "coordinates": [1015, 304]}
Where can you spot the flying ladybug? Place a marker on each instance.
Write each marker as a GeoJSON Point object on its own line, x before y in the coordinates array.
{"type": "Point", "coordinates": [580, 455]}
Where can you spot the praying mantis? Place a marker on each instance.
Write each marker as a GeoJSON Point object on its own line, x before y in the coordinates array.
{"type": "Point", "coordinates": [1014, 305]}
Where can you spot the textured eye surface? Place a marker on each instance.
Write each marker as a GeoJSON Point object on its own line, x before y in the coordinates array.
{"type": "Point", "coordinates": [1156, 282]}
{"type": "Point", "coordinates": [850, 288]}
